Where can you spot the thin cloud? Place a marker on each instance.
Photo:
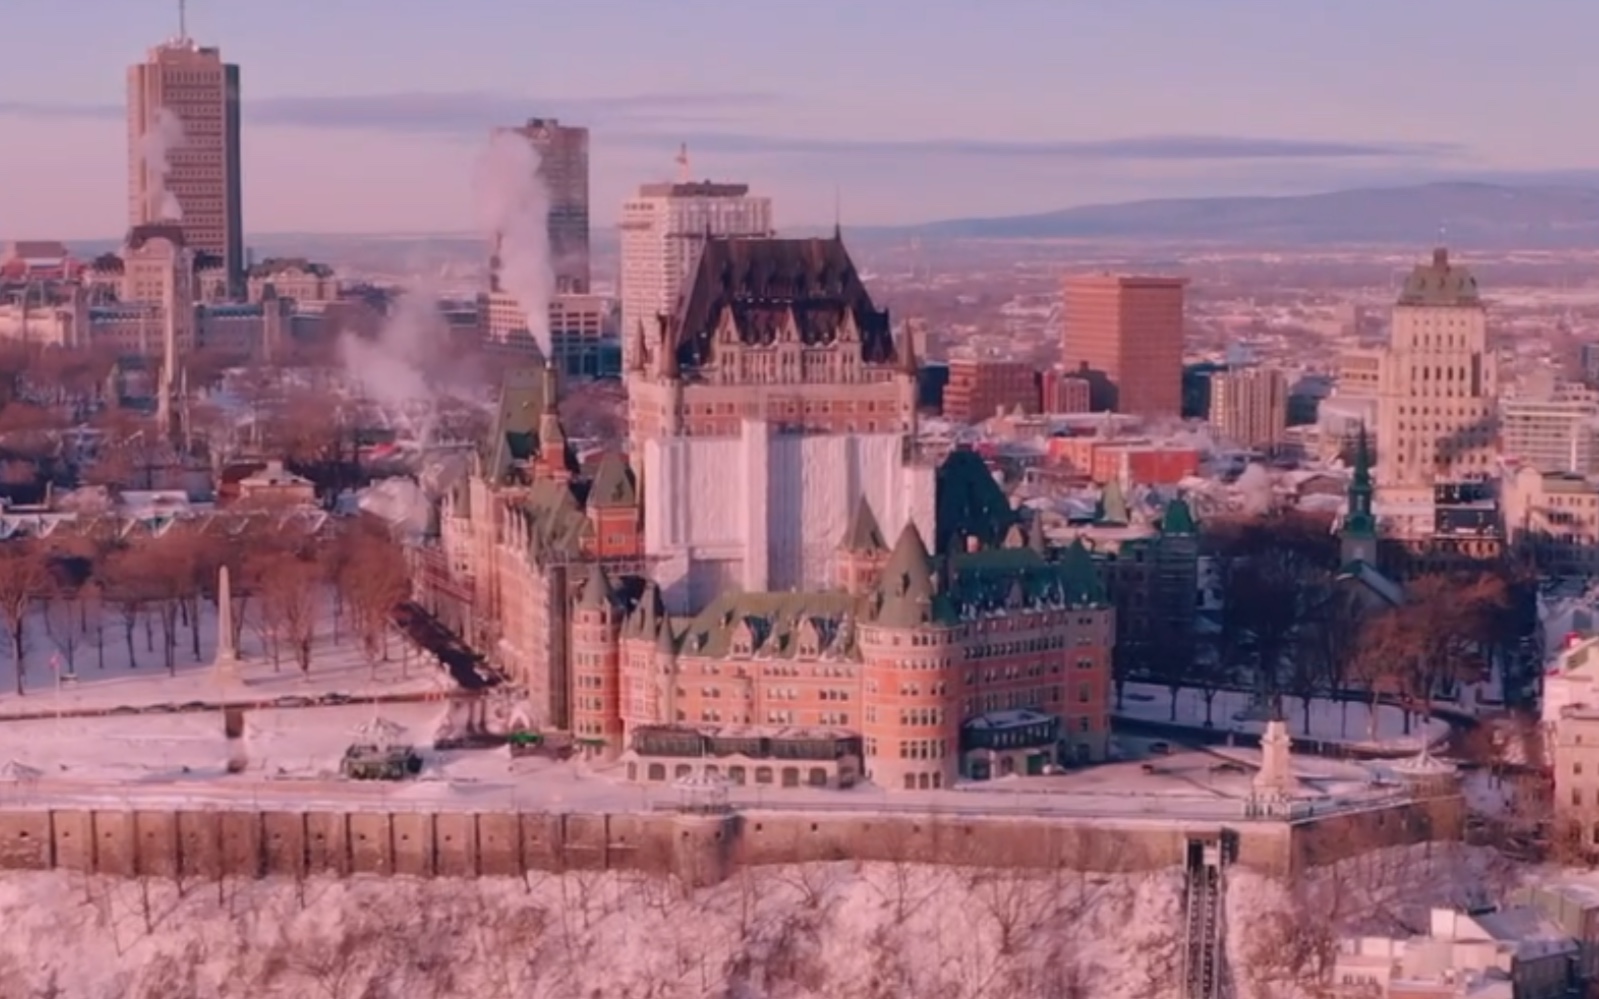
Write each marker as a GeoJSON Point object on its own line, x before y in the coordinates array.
{"type": "Point", "coordinates": [1174, 148]}
{"type": "Point", "coordinates": [666, 119]}
{"type": "Point", "coordinates": [446, 113]}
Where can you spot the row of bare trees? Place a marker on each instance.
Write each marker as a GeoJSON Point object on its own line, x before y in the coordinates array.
{"type": "Point", "coordinates": [71, 587]}
{"type": "Point", "coordinates": [1292, 622]}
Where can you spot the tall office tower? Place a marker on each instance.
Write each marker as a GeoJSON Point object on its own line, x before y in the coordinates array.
{"type": "Point", "coordinates": [183, 150]}
{"type": "Point", "coordinates": [564, 167]}
{"type": "Point", "coordinates": [1437, 397]}
{"type": "Point", "coordinates": [1125, 335]}
{"type": "Point", "coordinates": [1249, 406]}
{"type": "Point", "coordinates": [663, 227]}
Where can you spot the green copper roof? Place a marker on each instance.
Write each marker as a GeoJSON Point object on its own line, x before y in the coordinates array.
{"type": "Point", "coordinates": [1080, 576]}
{"type": "Point", "coordinates": [968, 502]}
{"type": "Point", "coordinates": [1113, 506]}
{"type": "Point", "coordinates": [513, 436]}
{"type": "Point", "coordinates": [1178, 518]}
{"type": "Point", "coordinates": [1440, 283]}
{"type": "Point", "coordinates": [863, 534]}
{"type": "Point", "coordinates": [1359, 518]}
{"type": "Point", "coordinates": [908, 595]}
{"type": "Point", "coordinates": [597, 593]}
{"type": "Point", "coordinates": [613, 483]}
{"type": "Point", "coordinates": [1013, 578]}
{"type": "Point", "coordinates": [773, 626]}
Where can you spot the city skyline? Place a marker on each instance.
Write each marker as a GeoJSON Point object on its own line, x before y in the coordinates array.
{"type": "Point", "coordinates": [1243, 97]}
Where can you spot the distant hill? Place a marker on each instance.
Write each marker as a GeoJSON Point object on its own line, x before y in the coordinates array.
{"type": "Point", "coordinates": [1475, 214]}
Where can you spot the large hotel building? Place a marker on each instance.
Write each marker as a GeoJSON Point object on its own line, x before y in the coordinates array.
{"type": "Point", "coordinates": [1125, 336]}
{"type": "Point", "coordinates": [772, 586]}
{"type": "Point", "coordinates": [183, 117]}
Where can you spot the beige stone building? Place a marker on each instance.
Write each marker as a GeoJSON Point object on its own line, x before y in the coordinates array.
{"type": "Point", "coordinates": [1571, 739]}
{"type": "Point", "coordinates": [1553, 519]}
{"type": "Point", "coordinates": [309, 285]}
{"type": "Point", "coordinates": [1437, 420]}
{"type": "Point", "coordinates": [1549, 425]}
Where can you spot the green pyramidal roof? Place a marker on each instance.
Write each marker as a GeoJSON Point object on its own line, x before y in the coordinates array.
{"type": "Point", "coordinates": [1113, 505]}
{"type": "Point", "coordinates": [1178, 518]}
{"type": "Point", "coordinates": [597, 593]}
{"type": "Point", "coordinates": [1079, 576]}
{"type": "Point", "coordinates": [613, 483]}
{"type": "Point", "coordinates": [908, 595]}
{"type": "Point", "coordinates": [863, 533]}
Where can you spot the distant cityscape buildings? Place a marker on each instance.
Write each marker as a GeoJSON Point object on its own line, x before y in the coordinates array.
{"type": "Point", "coordinates": [1125, 336]}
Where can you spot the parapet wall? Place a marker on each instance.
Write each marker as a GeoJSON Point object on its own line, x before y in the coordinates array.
{"type": "Point", "coordinates": [700, 848]}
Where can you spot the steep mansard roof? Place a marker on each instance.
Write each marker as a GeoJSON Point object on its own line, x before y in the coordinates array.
{"type": "Point", "coordinates": [763, 282]}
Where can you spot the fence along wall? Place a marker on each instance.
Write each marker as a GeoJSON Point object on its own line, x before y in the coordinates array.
{"type": "Point", "coordinates": [700, 848]}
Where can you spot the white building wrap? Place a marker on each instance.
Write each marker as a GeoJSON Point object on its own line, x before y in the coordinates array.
{"type": "Point", "coordinates": [766, 511]}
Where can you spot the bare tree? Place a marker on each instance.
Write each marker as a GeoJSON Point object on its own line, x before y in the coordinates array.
{"type": "Point", "coordinates": [126, 585]}
{"type": "Point", "coordinates": [64, 615]}
{"type": "Point", "coordinates": [289, 607]}
{"type": "Point", "coordinates": [24, 579]}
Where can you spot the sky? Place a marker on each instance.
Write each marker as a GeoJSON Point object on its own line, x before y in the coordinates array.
{"type": "Point", "coordinates": [366, 116]}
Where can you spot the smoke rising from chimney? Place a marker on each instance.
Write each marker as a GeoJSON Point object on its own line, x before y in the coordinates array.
{"type": "Point", "coordinates": [164, 135]}
{"type": "Point", "coordinates": [410, 366]}
{"type": "Point", "coordinates": [513, 207]}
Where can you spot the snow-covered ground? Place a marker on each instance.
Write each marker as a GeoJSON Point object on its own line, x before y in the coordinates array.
{"type": "Point", "coordinates": [842, 931]}
{"type": "Point", "coordinates": [292, 760]}
{"type": "Point", "coordinates": [101, 674]}
{"type": "Point", "coordinates": [1346, 723]}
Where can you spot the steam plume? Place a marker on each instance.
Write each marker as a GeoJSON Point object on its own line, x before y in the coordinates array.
{"type": "Point", "coordinates": [409, 368]}
{"type": "Point", "coordinates": [513, 208]}
{"type": "Point", "coordinates": [155, 147]}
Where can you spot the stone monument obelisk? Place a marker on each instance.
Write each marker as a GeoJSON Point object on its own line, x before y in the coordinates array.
{"type": "Point", "coordinates": [227, 659]}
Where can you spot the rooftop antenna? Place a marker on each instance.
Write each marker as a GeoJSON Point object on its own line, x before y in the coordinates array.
{"type": "Point", "coordinates": [682, 163]}
{"type": "Point", "coordinates": [183, 20]}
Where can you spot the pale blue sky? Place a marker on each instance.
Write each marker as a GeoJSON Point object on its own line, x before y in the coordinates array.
{"type": "Point", "coordinates": [365, 115]}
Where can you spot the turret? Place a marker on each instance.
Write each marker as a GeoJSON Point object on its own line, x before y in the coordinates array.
{"type": "Point", "coordinates": [862, 552]}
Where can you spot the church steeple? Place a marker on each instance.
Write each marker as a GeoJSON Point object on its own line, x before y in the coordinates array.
{"type": "Point", "coordinates": [1359, 534]}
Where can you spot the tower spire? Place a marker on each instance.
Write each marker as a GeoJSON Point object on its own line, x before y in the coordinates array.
{"type": "Point", "coordinates": [838, 214]}
{"type": "Point", "coordinates": [183, 20]}
{"type": "Point", "coordinates": [1358, 539]}
{"type": "Point", "coordinates": [682, 163]}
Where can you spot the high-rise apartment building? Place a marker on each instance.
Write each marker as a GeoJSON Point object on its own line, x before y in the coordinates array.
{"type": "Point", "coordinates": [1438, 395]}
{"type": "Point", "coordinates": [183, 150]}
{"type": "Point", "coordinates": [1125, 335]}
{"type": "Point", "coordinates": [1249, 406]}
{"type": "Point", "coordinates": [1549, 425]}
{"type": "Point", "coordinates": [563, 152]}
{"type": "Point", "coordinates": [663, 228]}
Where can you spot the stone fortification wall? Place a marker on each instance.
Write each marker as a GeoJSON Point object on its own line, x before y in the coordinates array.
{"type": "Point", "coordinates": [701, 848]}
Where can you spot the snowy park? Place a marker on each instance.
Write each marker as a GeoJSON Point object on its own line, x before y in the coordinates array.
{"type": "Point", "coordinates": [1352, 724]}
{"type": "Point", "coordinates": [104, 658]}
